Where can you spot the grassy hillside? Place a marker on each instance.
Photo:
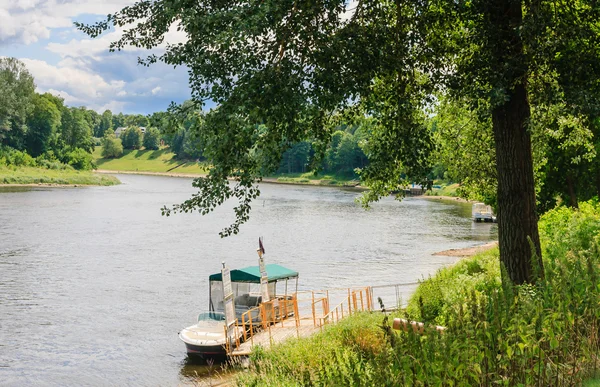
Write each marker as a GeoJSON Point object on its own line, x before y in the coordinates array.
{"type": "Point", "coordinates": [311, 178]}
{"type": "Point", "coordinates": [32, 175]}
{"type": "Point", "coordinates": [163, 161]}
{"type": "Point", "coordinates": [148, 161]}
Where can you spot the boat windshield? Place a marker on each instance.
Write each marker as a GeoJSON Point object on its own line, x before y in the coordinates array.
{"type": "Point", "coordinates": [211, 316]}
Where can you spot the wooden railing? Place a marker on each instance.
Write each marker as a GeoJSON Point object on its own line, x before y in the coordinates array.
{"type": "Point", "coordinates": [306, 309]}
{"type": "Point", "coordinates": [357, 300]}
{"type": "Point", "coordinates": [262, 317]}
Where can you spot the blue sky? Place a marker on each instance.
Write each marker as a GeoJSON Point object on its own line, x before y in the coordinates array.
{"type": "Point", "coordinates": [66, 62]}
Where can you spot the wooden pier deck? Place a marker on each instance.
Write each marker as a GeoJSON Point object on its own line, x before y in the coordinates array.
{"type": "Point", "coordinates": [277, 334]}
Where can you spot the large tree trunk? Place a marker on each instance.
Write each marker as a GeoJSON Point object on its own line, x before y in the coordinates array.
{"type": "Point", "coordinates": [517, 217]}
{"type": "Point", "coordinates": [571, 190]}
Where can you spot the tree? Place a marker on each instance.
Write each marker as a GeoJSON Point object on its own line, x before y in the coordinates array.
{"type": "Point", "coordinates": [466, 147]}
{"type": "Point", "coordinates": [111, 145]}
{"type": "Point", "coordinates": [296, 159]}
{"type": "Point", "coordinates": [151, 138]}
{"type": "Point", "coordinates": [136, 120]}
{"type": "Point", "coordinates": [16, 101]}
{"type": "Point", "coordinates": [132, 138]}
{"type": "Point", "coordinates": [290, 65]}
{"type": "Point", "coordinates": [105, 123]}
{"type": "Point", "coordinates": [75, 129]}
{"type": "Point", "coordinates": [43, 122]}
{"type": "Point", "coordinates": [93, 119]}
{"type": "Point", "coordinates": [118, 120]}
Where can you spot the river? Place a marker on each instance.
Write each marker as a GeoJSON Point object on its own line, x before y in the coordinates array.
{"type": "Point", "coordinates": [95, 284]}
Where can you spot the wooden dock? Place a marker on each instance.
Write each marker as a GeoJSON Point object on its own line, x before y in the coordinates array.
{"type": "Point", "coordinates": [300, 315]}
{"type": "Point", "coordinates": [277, 334]}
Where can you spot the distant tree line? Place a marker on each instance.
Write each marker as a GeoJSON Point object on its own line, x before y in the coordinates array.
{"type": "Point", "coordinates": [43, 127]}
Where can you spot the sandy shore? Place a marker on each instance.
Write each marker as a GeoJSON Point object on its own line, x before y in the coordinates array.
{"type": "Point", "coordinates": [450, 198]}
{"type": "Point", "coordinates": [468, 251]}
{"type": "Point", "coordinates": [170, 174]}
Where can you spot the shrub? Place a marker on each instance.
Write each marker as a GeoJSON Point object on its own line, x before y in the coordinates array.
{"type": "Point", "coordinates": [132, 138]}
{"type": "Point", "coordinates": [435, 298]}
{"type": "Point", "coordinates": [80, 159]}
{"type": "Point", "coordinates": [10, 156]}
{"type": "Point", "coordinates": [111, 146]}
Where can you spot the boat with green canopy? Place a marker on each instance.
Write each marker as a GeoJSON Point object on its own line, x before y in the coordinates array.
{"type": "Point", "coordinates": [250, 287]}
{"type": "Point", "coordinates": [246, 286]}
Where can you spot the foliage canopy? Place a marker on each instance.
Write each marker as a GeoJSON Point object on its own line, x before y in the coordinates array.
{"type": "Point", "coordinates": [285, 71]}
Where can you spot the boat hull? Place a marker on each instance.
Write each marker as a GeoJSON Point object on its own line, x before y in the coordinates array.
{"type": "Point", "coordinates": [205, 351]}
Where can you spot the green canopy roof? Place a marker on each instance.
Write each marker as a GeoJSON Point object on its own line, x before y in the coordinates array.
{"type": "Point", "coordinates": [252, 274]}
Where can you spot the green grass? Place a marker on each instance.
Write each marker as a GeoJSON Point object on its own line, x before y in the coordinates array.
{"type": "Point", "coordinates": [319, 179]}
{"type": "Point", "coordinates": [448, 190]}
{"type": "Point", "coordinates": [497, 333]}
{"type": "Point", "coordinates": [32, 175]}
{"type": "Point", "coordinates": [161, 161]}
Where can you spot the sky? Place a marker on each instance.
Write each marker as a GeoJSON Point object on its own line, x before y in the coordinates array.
{"type": "Point", "coordinates": [68, 63]}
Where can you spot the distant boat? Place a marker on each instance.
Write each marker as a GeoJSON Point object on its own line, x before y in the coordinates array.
{"type": "Point", "coordinates": [207, 338]}
{"type": "Point", "coordinates": [482, 213]}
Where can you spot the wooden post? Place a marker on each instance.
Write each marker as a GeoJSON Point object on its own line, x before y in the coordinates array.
{"type": "Point", "coordinates": [251, 331]}
{"type": "Point", "coordinates": [313, 310]}
{"type": "Point", "coordinates": [362, 307]}
{"type": "Point", "coordinates": [244, 325]}
{"type": "Point", "coordinates": [349, 306]}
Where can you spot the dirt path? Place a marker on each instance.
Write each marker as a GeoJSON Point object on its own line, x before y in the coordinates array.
{"type": "Point", "coordinates": [450, 198]}
{"type": "Point", "coordinates": [468, 251]}
{"type": "Point", "coordinates": [171, 174]}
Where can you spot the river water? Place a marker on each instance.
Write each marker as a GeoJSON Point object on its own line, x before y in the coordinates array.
{"type": "Point", "coordinates": [95, 284]}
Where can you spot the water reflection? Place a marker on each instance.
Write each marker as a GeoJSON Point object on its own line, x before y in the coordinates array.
{"type": "Point", "coordinates": [209, 373]}
{"type": "Point", "coordinates": [8, 189]}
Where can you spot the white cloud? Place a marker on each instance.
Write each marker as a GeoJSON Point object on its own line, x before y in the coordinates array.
{"type": "Point", "coordinates": [86, 72]}
{"type": "Point", "coordinates": [100, 45]}
{"type": "Point", "coordinates": [75, 85]}
{"type": "Point", "coordinates": [27, 21]}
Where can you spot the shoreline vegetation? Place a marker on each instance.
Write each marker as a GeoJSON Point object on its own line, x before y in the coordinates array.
{"type": "Point", "coordinates": [497, 332]}
{"type": "Point", "coordinates": [162, 162]}
{"type": "Point", "coordinates": [23, 176]}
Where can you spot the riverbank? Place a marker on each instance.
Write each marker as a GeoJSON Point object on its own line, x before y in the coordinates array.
{"type": "Point", "coordinates": [450, 198]}
{"type": "Point", "coordinates": [163, 163]}
{"type": "Point", "coordinates": [34, 177]}
{"type": "Point", "coordinates": [468, 251]}
{"type": "Point", "coordinates": [268, 180]}
{"type": "Point", "coordinates": [496, 333]}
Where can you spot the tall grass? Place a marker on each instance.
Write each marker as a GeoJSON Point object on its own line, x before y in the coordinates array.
{"type": "Point", "coordinates": [498, 334]}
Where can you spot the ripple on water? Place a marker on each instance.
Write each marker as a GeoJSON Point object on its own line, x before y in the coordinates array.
{"type": "Point", "coordinates": [95, 284]}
